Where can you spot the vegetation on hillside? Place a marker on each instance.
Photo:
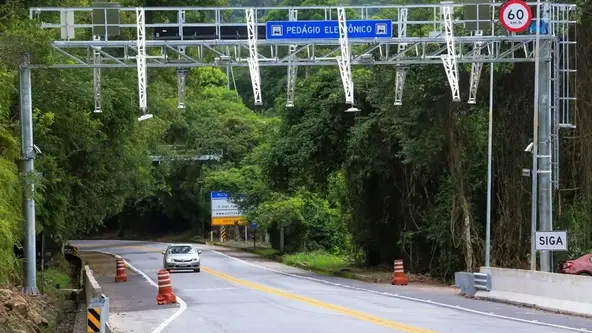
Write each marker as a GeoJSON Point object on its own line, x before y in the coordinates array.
{"type": "Point", "coordinates": [389, 182]}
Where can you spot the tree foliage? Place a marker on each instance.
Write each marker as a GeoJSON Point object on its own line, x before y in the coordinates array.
{"type": "Point", "coordinates": [389, 182]}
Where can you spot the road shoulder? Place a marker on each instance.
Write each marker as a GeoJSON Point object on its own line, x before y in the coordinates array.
{"type": "Point", "coordinates": [133, 307]}
{"type": "Point", "coordinates": [439, 296]}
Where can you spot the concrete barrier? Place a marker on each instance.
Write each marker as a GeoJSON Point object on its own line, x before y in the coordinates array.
{"type": "Point", "coordinates": [465, 281]}
{"type": "Point", "coordinates": [92, 289]}
{"type": "Point", "coordinates": [550, 291]}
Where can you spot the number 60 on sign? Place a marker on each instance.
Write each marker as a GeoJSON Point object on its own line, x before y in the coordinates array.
{"type": "Point", "coordinates": [515, 15]}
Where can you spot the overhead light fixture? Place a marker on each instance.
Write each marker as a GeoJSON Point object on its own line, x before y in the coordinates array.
{"type": "Point", "coordinates": [353, 109]}
{"type": "Point", "coordinates": [145, 117]}
{"type": "Point", "coordinates": [529, 147]}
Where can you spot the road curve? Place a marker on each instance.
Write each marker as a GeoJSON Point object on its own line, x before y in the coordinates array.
{"type": "Point", "coordinates": [239, 293]}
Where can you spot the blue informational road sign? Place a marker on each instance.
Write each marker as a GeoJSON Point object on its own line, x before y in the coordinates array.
{"type": "Point", "coordinates": [218, 195]}
{"type": "Point", "coordinates": [253, 224]}
{"type": "Point", "coordinates": [356, 29]}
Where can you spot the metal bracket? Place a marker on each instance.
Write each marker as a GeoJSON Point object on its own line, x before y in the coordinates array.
{"type": "Point", "coordinates": [344, 61]}
{"type": "Point", "coordinates": [97, 59]}
{"type": "Point", "coordinates": [181, 84]}
{"type": "Point", "coordinates": [253, 55]}
{"type": "Point", "coordinates": [401, 73]}
{"type": "Point", "coordinates": [292, 69]}
{"type": "Point", "coordinates": [449, 60]}
{"type": "Point", "coordinates": [476, 69]}
{"type": "Point", "coordinates": [141, 63]}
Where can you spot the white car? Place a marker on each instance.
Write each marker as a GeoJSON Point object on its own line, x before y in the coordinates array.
{"type": "Point", "coordinates": [181, 257]}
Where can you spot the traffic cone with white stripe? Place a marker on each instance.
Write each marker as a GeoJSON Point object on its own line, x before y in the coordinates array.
{"type": "Point", "coordinates": [165, 288]}
{"type": "Point", "coordinates": [399, 277]}
{"type": "Point", "coordinates": [120, 275]}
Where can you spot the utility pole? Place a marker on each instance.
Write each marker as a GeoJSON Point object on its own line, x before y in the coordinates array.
{"type": "Point", "coordinates": [544, 154]}
{"type": "Point", "coordinates": [489, 153]}
{"type": "Point", "coordinates": [28, 172]}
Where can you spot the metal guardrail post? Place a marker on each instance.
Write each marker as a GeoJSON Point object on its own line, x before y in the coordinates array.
{"type": "Point", "coordinates": [98, 314]}
{"type": "Point", "coordinates": [482, 281]}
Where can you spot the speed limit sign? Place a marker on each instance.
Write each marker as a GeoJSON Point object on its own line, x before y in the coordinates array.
{"type": "Point", "coordinates": [515, 15]}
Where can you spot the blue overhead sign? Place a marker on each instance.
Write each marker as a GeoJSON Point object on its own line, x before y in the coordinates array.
{"type": "Point", "coordinates": [356, 29]}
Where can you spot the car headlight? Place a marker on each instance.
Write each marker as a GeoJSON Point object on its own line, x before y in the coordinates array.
{"type": "Point", "coordinates": [169, 260]}
{"type": "Point", "coordinates": [196, 259]}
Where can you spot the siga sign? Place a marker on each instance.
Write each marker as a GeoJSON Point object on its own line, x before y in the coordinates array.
{"type": "Point", "coordinates": [551, 240]}
{"type": "Point", "coordinates": [515, 15]}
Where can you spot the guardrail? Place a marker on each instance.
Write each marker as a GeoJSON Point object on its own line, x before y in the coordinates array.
{"type": "Point", "coordinates": [482, 281]}
{"type": "Point", "coordinates": [469, 283]}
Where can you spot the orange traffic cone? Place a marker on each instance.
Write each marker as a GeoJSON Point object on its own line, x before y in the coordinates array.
{"type": "Point", "coordinates": [165, 288]}
{"type": "Point", "coordinates": [120, 276]}
{"type": "Point", "coordinates": [399, 278]}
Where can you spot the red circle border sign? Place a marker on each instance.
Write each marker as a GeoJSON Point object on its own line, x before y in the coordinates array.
{"type": "Point", "coordinates": [526, 8]}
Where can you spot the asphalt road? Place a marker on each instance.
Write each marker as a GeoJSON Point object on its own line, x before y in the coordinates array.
{"type": "Point", "coordinates": [237, 292]}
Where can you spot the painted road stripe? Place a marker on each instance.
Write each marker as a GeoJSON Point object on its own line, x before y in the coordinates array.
{"type": "Point", "coordinates": [408, 298]}
{"type": "Point", "coordinates": [310, 301]}
{"type": "Point", "coordinates": [182, 303]}
{"type": "Point", "coordinates": [327, 306]}
{"type": "Point", "coordinates": [392, 295]}
{"type": "Point", "coordinates": [209, 289]}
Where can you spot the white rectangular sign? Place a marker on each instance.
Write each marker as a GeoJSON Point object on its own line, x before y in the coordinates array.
{"type": "Point", "coordinates": [551, 240]}
{"type": "Point", "coordinates": [225, 213]}
{"type": "Point", "coordinates": [223, 205]}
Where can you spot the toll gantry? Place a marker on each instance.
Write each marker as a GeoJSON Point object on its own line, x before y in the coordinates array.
{"type": "Point", "coordinates": [109, 36]}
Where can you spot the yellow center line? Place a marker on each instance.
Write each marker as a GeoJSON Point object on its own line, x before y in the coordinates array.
{"type": "Point", "coordinates": [310, 301]}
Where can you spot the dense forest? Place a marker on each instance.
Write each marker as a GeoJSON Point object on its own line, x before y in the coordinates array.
{"type": "Point", "coordinates": [388, 182]}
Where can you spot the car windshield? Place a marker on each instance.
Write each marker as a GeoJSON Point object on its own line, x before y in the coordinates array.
{"type": "Point", "coordinates": [181, 250]}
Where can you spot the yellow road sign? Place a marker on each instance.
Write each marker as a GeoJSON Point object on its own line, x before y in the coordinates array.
{"type": "Point", "coordinates": [233, 220]}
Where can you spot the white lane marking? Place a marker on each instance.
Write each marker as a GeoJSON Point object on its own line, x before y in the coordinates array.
{"type": "Point", "coordinates": [182, 303]}
{"type": "Point", "coordinates": [208, 289]}
{"type": "Point", "coordinates": [408, 298]}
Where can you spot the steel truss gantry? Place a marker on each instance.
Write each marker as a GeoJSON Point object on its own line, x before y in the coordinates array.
{"type": "Point", "coordinates": [448, 43]}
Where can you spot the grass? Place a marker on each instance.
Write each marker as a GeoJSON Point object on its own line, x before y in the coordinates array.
{"type": "Point", "coordinates": [56, 276]}
{"type": "Point", "coordinates": [266, 252]}
{"type": "Point", "coordinates": [318, 261]}
{"type": "Point", "coordinates": [53, 280]}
